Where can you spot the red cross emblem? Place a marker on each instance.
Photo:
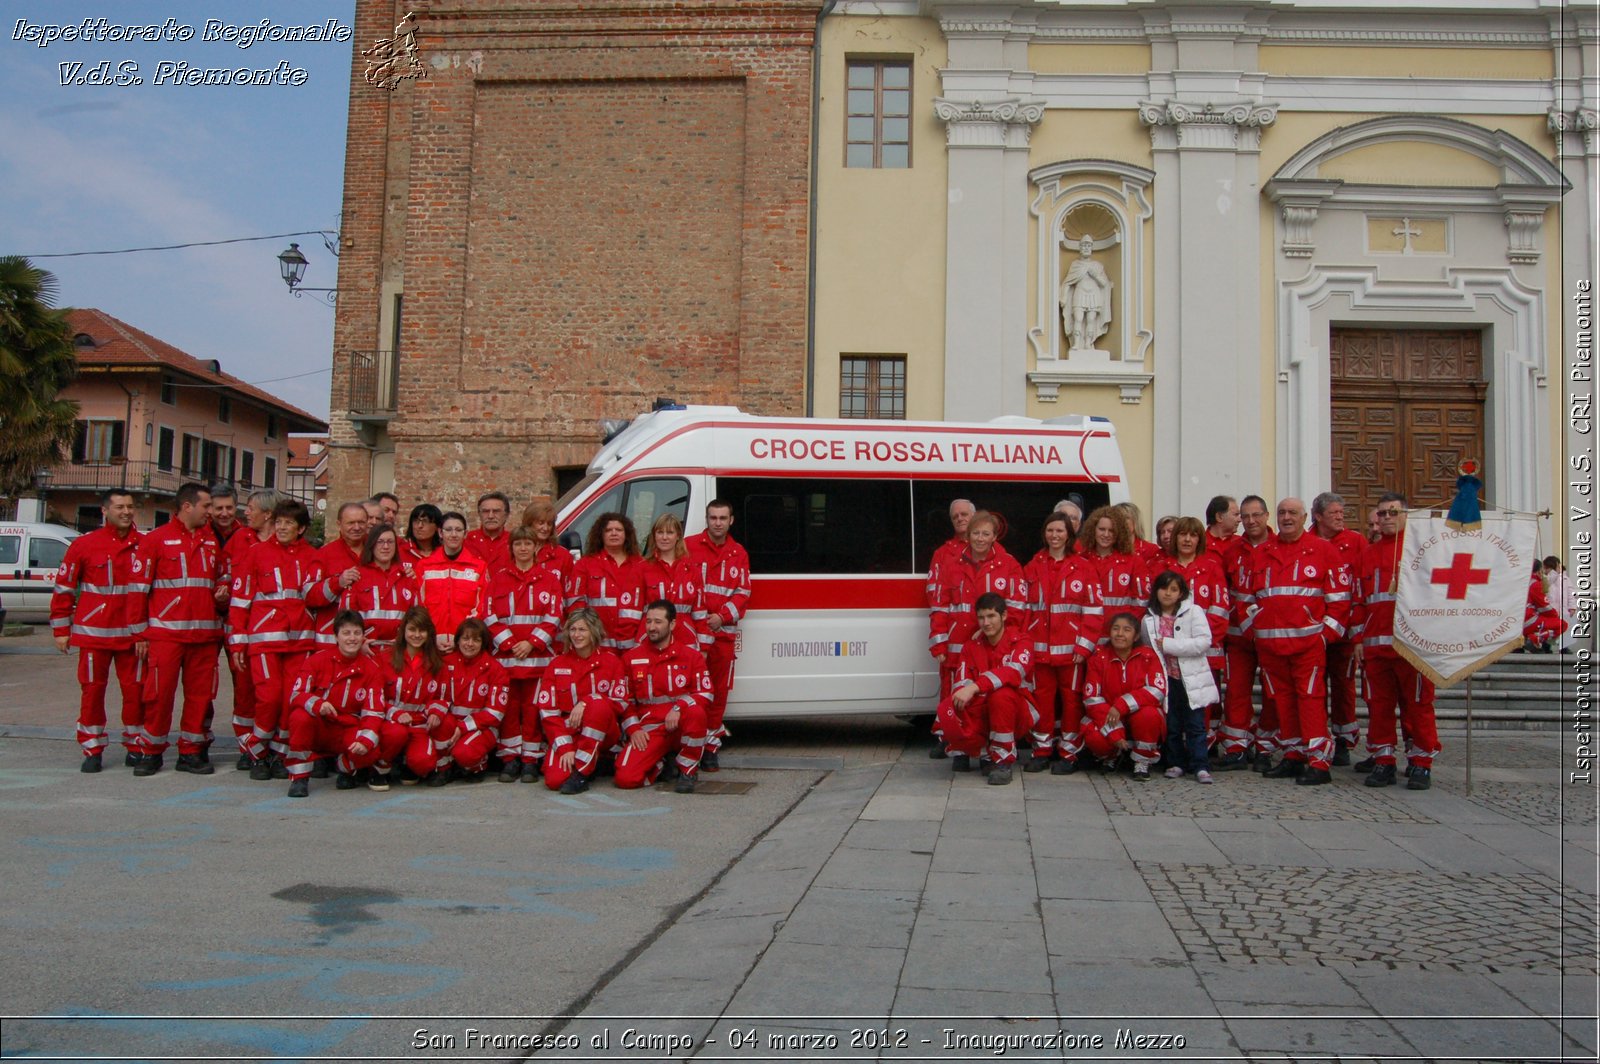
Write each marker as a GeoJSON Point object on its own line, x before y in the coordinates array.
{"type": "Point", "coordinates": [1459, 576]}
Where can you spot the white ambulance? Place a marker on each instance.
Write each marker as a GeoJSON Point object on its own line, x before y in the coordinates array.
{"type": "Point", "coordinates": [30, 554]}
{"type": "Point", "coordinates": [841, 519]}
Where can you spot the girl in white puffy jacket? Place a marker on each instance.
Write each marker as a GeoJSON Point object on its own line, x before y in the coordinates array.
{"type": "Point", "coordinates": [1179, 633]}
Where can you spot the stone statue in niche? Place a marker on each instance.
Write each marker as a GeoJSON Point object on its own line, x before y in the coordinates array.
{"type": "Point", "coordinates": [1085, 299]}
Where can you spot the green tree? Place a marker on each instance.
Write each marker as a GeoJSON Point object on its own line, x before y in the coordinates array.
{"type": "Point", "coordinates": [37, 361]}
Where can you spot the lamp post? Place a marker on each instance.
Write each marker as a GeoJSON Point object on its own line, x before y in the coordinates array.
{"type": "Point", "coordinates": [292, 265]}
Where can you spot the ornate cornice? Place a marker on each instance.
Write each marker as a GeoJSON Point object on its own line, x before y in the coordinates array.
{"type": "Point", "coordinates": [1583, 120]}
{"type": "Point", "coordinates": [988, 123]}
{"type": "Point", "coordinates": [1176, 113]}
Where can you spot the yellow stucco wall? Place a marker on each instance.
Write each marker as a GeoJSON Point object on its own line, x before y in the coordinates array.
{"type": "Point", "coordinates": [1089, 58]}
{"type": "Point", "coordinates": [1419, 62]}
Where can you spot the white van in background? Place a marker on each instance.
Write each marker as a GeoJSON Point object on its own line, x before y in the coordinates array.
{"type": "Point", "coordinates": [841, 519]}
{"type": "Point", "coordinates": [30, 554]}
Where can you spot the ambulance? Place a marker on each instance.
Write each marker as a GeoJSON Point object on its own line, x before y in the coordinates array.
{"type": "Point", "coordinates": [30, 554]}
{"type": "Point", "coordinates": [841, 519]}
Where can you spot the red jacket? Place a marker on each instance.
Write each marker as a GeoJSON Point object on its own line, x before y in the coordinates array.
{"type": "Point", "coordinates": [724, 580]}
{"type": "Point", "coordinates": [268, 610]}
{"type": "Point", "coordinates": [406, 554]}
{"type": "Point", "coordinates": [453, 589]}
{"type": "Point", "coordinates": [324, 594]}
{"type": "Point", "coordinates": [382, 597]}
{"type": "Point", "coordinates": [94, 590]}
{"type": "Point", "coordinates": [1208, 588]}
{"type": "Point", "coordinates": [947, 553]}
{"type": "Point", "coordinates": [615, 592]}
{"type": "Point", "coordinates": [1008, 663]}
{"type": "Point", "coordinates": [494, 552]}
{"type": "Point", "coordinates": [413, 690]}
{"type": "Point", "coordinates": [1124, 584]}
{"type": "Point", "coordinates": [1223, 548]}
{"type": "Point", "coordinates": [569, 680]}
{"type": "Point", "coordinates": [1372, 597]}
{"type": "Point", "coordinates": [1349, 546]}
{"type": "Point", "coordinates": [234, 553]}
{"type": "Point", "coordinates": [1540, 621]}
{"type": "Point", "coordinates": [1239, 597]}
{"type": "Point", "coordinates": [953, 620]}
{"type": "Point", "coordinates": [1301, 593]}
{"type": "Point", "coordinates": [1140, 682]}
{"type": "Point", "coordinates": [659, 681]}
{"type": "Point", "coordinates": [679, 583]}
{"type": "Point", "coordinates": [480, 690]}
{"type": "Point", "coordinates": [353, 685]}
{"type": "Point", "coordinates": [172, 593]}
{"type": "Point", "coordinates": [1065, 615]}
{"type": "Point", "coordinates": [558, 559]}
{"type": "Point", "coordinates": [524, 605]}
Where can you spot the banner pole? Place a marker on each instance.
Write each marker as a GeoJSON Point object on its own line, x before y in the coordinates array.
{"type": "Point", "coordinates": [1469, 737]}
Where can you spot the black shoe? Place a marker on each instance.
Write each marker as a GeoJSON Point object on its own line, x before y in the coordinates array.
{"type": "Point", "coordinates": [378, 781]}
{"type": "Point", "coordinates": [299, 787]}
{"type": "Point", "coordinates": [244, 763]}
{"type": "Point", "coordinates": [1421, 779]}
{"type": "Point", "coordinates": [1285, 770]}
{"type": "Point", "coordinates": [1311, 777]}
{"type": "Point", "coordinates": [510, 771]}
{"type": "Point", "coordinates": [1230, 763]}
{"type": "Point", "coordinates": [345, 781]}
{"type": "Point", "coordinates": [685, 784]}
{"type": "Point", "coordinates": [938, 753]}
{"type": "Point", "coordinates": [576, 783]}
{"type": "Point", "coordinates": [194, 763]}
{"type": "Point", "coordinates": [1365, 765]}
{"type": "Point", "coordinates": [709, 762]}
{"type": "Point", "coordinates": [437, 778]}
{"type": "Point", "coordinates": [280, 771]}
{"type": "Point", "coordinates": [1341, 753]}
{"type": "Point", "coordinates": [1410, 768]}
{"type": "Point", "coordinates": [533, 770]}
{"type": "Point", "coordinates": [319, 768]}
{"type": "Point", "coordinates": [261, 770]}
{"type": "Point", "coordinates": [985, 766]}
{"type": "Point", "coordinates": [1000, 775]}
{"type": "Point", "coordinates": [91, 763]}
{"type": "Point", "coordinates": [530, 774]}
{"type": "Point", "coordinates": [148, 765]}
{"type": "Point", "coordinates": [1262, 763]}
{"type": "Point", "coordinates": [130, 759]}
{"type": "Point", "coordinates": [407, 777]}
{"type": "Point", "coordinates": [1381, 776]}
{"type": "Point", "coordinates": [669, 771]}
{"type": "Point", "coordinates": [1036, 764]}
{"type": "Point", "coordinates": [960, 763]}
{"type": "Point", "coordinates": [1065, 767]}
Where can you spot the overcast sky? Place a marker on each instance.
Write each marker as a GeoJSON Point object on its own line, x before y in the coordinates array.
{"type": "Point", "coordinates": [88, 167]}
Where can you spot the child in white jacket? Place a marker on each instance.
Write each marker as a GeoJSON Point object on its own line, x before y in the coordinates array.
{"type": "Point", "coordinates": [1180, 635]}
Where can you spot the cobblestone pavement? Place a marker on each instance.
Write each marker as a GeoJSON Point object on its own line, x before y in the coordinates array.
{"type": "Point", "coordinates": [1246, 794]}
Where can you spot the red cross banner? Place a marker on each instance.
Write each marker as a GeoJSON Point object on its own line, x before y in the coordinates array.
{"type": "Point", "coordinates": [1460, 593]}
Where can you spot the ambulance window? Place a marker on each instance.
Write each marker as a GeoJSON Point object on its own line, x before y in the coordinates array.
{"type": "Point", "coordinates": [1021, 505]}
{"type": "Point", "coordinates": [10, 549]}
{"type": "Point", "coordinates": [45, 553]}
{"type": "Point", "coordinates": [818, 525]}
{"type": "Point", "coordinates": [649, 499]}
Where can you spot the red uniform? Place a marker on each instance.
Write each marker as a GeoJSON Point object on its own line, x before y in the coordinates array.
{"type": "Point", "coordinates": [953, 622]}
{"type": "Point", "coordinates": [1301, 599]}
{"type": "Point", "coordinates": [1391, 681]}
{"type": "Point", "coordinates": [234, 555]}
{"type": "Point", "coordinates": [658, 683]}
{"type": "Point", "coordinates": [1208, 589]}
{"type": "Point", "coordinates": [419, 701]}
{"type": "Point", "coordinates": [91, 607]}
{"type": "Point", "coordinates": [679, 583]}
{"type": "Point", "coordinates": [558, 559]}
{"type": "Point", "coordinates": [598, 682]}
{"type": "Point", "coordinates": [947, 552]}
{"type": "Point", "coordinates": [172, 605]}
{"type": "Point", "coordinates": [1344, 652]}
{"type": "Point", "coordinates": [615, 592]}
{"type": "Point", "coordinates": [268, 618]}
{"type": "Point", "coordinates": [479, 693]}
{"type": "Point", "coordinates": [408, 554]}
{"type": "Point", "coordinates": [325, 592]}
{"type": "Point", "coordinates": [1136, 687]}
{"type": "Point", "coordinates": [1240, 725]}
{"type": "Point", "coordinates": [1541, 624]}
{"type": "Point", "coordinates": [354, 686]}
{"type": "Point", "coordinates": [1003, 673]}
{"type": "Point", "coordinates": [495, 551]}
{"type": "Point", "coordinates": [453, 589]}
{"type": "Point", "coordinates": [725, 584]}
{"type": "Point", "coordinates": [1147, 552]}
{"type": "Point", "coordinates": [1064, 621]}
{"type": "Point", "coordinates": [1124, 584]}
{"type": "Point", "coordinates": [524, 606]}
{"type": "Point", "coordinates": [382, 597]}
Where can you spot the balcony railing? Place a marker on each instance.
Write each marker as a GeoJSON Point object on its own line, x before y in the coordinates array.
{"type": "Point", "coordinates": [144, 477]}
{"type": "Point", "coordinates": [374, 383]}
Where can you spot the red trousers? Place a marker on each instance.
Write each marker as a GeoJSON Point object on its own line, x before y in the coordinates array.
{"type": "Point", "coordinates": [1299, 681]}
{"type": "Point", "coordinates": [1240, 727]}
{"type": "Point", "coordinates": [244, 702]}
{"type": "Point", "coordinates": [1394, 682]}
{"type": "Point", "coordinates": [1145, 728]}
{"type": "Point", "coordinates": [269, 674]}
{"type": "Point", "coordinates": [424, 747]}
{"type": "Point", "coordinates": [719, 666]}
{"type": "Point", "coordinates": [520, 734]}
{"type": "Point", "coordinates": [987, 726]}
{"type": "Point", "coordinates": [94, 676]}
{"type": "Point", "coordinates": [636, 767]}
{"type": "Point", "coordinates": [312, 736]}
{"type": "Point", "coordinates": [196, 665]}
{"type": "Point", "coordinates": [472, 747]}
{"type": "Point", "coordinates": [1342, 661]}
{"type": "Point", "coordinates": [598, 732]}
{"type": "Point", "coordinates": [1058, 692]}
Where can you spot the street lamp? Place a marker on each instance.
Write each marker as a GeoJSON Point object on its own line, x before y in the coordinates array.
{"type": "Point", "coordinates": [292, 265]}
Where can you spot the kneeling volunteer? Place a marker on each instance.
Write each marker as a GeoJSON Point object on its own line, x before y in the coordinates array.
{"type": "Point", "coordinates": [1125, 694]}
{"type": "Point", "coordinates": [670, 691]}
{"type": "Point", "coordinates": [992, 695]}
{"type": "Point", "coordinates": [336, 710]}
{"type": "Point", "coordinates": [581, 696]}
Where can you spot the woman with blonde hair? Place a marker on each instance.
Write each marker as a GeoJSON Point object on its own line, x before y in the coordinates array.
{"type": "Point", "coordinates": [670, 575]}
{"type": "Point", "coordinates": [539, 517]}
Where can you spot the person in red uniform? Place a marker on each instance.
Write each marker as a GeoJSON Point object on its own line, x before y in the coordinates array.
{"type": "Point", "coordinates": [1108, 542]}
{"type": "Point", "coordinates": [609, 579]}
{"type": "Point", "coordinates": [1064, 621]}
{"type": "Point", "coordinates": [669, 573]}
{"type": "Point", "coordinates": [725, 583]}
{"type": "Point", "coordinates": [1208, 591]}
{"type": "Point", "coordinates": [271, 629]}
{"type": "Point", "coordinates": [1300, 600]}
{"type": "Point", "coordinates": [668, 693]}
{"type": "Point", "coordinates": [258, 529]}
{"type": "Point", "coordinates": [421, 539]}
{"type": "Point", "coordinates": [1147, 550]}
{"type": "Point", "coordinates": [993, 694]}
{"type": "Point", "coordinates": [480, 691]}
{"type": "Point", "coordinates": [582, 696]}
{"type": "Point", "coordinates": [1344, 653]}
{"type": "Point", "coordinates": [90, 611]}
{"type": "Point", "coordinates": [1542, 626]}
{"type": "Point", "coordinates": [961, 511]}
{"type": "Point", "coordinates": [417, 690]}
{"type": "Point", "coordinates": [388, 509]}
{"type": "Point", "coordinates": [489, 540]}
{"type": "Point", "coordinates": [454, 581]}
{"type": "Point", "coordinates": [1391, 681]}
{"type": "Point", "coordinates": [336, 710]}
{"type": "Point", "coordinates": [1222, 528]}
{"type": "Point", "coordinates": [1125, 699]}
{"type": "Point", "coordinates": [983, 567]}
{"type": "Point", "coordinates": [539, 517]}
{"type": "Point", "coordinates": [384, 591]}
{"type": "Point", "coordinates": [338, 568]}
{"type": "Point", "coordinates": [1242, 729]}
{"type": "Point", "coordinates": [524, 615]}
{"type": "Point", "coordinates": [172, 609]}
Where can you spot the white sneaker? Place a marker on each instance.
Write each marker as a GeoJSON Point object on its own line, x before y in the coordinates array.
{"type": "Point", "coordinates": [1174, 773]}
{"type": "Point", "coordinates": [1202, 776]}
